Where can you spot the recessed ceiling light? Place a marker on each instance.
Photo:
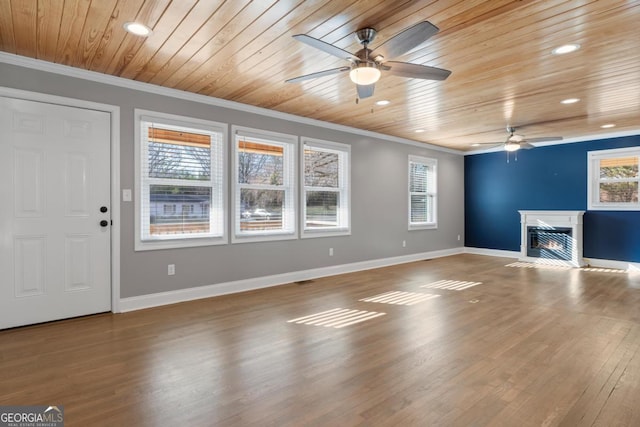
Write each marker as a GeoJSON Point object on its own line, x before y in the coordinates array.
{"type": "Point", "coordinates": [137, 29]}
{"type": "Point", "coordinates": [608, 125]}
{"type": "Point", "coordinates": [570, 100]}
{"type": "Point", "coordinates": [383, 102]}
{"type": "Point", "coordinates": [477, 144]}
{"type": "Point", "coordinates": [419, 130]}
{"type": "Point", "coordinates": [565, 48]}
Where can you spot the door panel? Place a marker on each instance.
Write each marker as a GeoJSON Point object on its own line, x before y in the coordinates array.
{"type": "Point", "coordinates": [55, 258]}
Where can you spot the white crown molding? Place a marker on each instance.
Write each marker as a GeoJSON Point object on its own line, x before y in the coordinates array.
{"type": "Point", "coordinates": [94, 76]}
{"type": "Point", "coordinates": [594, 137]}
{"type": "Point", "coordinates": [190, 294]}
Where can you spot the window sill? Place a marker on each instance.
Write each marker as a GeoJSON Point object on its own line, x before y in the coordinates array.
{"type": "Point", "coordinates": [614, 207]}
{"type": "Point", "coordinates": [311, 234]}
{"type": "Point", "coordinates": [432, 226]}
{"type": "Point", "coordinates": [263, 238]}
{"type": "Point", "coordinates": [153, 245]}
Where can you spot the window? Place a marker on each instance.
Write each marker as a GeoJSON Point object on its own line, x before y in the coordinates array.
{"type": "Point", "coordinates": [187, 209]}
{"type": "Point", "coordinates": [264, 185]}
{"type": "Point", "coordinates": [422, 193]}
{"type": "Point", "coordinates": [325, 178]}
{"type": "Point", "coordinates": [614, 179]}
{"type": "Point", "coordinates": [169, 210]}
{"type": "Point", "coordinates": [179, 165]}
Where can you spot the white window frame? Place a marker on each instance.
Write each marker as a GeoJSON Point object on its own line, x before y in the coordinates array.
{"type": "Point", "coordinates": [290, 214]}
{"type": "Point", "coordinates": [433, 165]}
{"type": "Point", "coordinates": [594, 180]}
{"type": "Point", "coordinates": [218, 208]}
{"type": "Point", "coordinates": [344, 177]}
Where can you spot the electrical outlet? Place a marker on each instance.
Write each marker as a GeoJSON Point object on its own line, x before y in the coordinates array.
{"type": "Point", "coordinates": [171, 269]}
{"type": "Point", "coordinates": [330, 251]}
{"type": "Point", "coordinates": [458, 237]}
{"type": "Point", "coordinates": [404, 243]}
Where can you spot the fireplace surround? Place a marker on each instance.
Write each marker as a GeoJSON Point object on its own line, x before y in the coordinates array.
{"type": "Point", "coordinates": [553, 237]}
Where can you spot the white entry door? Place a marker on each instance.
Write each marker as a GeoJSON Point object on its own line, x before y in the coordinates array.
{"type": "Point", "coordinates": [55, 254]}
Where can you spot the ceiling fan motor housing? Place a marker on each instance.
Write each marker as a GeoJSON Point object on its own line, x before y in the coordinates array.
{"type": "Point", "coordinates": [365, 36]}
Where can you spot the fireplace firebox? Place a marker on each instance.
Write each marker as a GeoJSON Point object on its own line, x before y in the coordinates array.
{"type": "Point", "coordinates": [549, 243]}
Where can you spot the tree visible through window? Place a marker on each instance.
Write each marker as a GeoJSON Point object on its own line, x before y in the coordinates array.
{"type": "Point", "coordinates": [614, 179]}
{"type": "Point", "coordinates": [619, 180]}
{"type": "Point", "coordinates": [264, 186]}
{"type": "Point", "coordinates": [181, 171]}
{"type": "Point", "coordinates": [326, 186]}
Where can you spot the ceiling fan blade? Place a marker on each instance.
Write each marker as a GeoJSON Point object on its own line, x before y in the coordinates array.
{"type": "Point", "coordinates": [406, 40]}
{"type": "Point", "coordinates": [545, 139]}
{"type": "Point", "coordinates": [318, 74]}
{"type": "Point", "coordinates": [365, 91]}
{"type": "Point", "coordinates": [526, 146]}
{"type": "Point", "coordinates": [417, 71]}
{"type": "Point", "coordinates": [325, 47]}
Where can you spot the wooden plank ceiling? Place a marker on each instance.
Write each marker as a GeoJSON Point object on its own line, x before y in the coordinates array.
{"type": "Point", "coordinates": [242, 50]}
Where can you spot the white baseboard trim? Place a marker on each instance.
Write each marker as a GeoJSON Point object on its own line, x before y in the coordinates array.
{"type": "Point", "coordinates": [492, 252]}
{"type": "Point", "coordinates": [190, 294]}
{"type": "Point", "coordinates": [630, 267]}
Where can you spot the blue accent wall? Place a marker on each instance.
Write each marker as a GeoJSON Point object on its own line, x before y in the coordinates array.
{"type": "Point", "coordinates": [545, 178]}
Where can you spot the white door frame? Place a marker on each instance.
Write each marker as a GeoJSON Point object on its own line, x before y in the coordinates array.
{"type": "Point", "coordinates": [114, 111]}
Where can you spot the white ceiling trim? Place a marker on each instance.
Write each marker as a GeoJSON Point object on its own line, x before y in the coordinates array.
{"type": "Point", "coordinates": [79, 73]}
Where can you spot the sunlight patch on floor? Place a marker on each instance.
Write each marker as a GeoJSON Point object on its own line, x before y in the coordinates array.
{"type": "Point", "coordinates": [337, 318]}
{"type": "Point", "coordinates": [400, 298]}
{"type": "Point", "coordinates": [604, 270]}
{"type": "Point", "coordinates": [520, 264]}
{"type": "Point", "coordinates": [452, 285]}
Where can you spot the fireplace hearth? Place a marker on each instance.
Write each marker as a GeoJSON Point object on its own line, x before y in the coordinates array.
{"type": "Point", "coordinates": [551, 236]}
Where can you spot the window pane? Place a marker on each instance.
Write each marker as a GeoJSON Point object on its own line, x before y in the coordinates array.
{"type": "Point", "coordinates": [321, 169]}
{"type": "Point", "coordinates": [322, 209]}
{"type": "Point", "coordinates": [179, 154]}
{"type": "Point", "coordinates": [260, 163]}
{"type": "Point", "coordinates": [620, 192]}
{"type": "Point", "coordinates": [179, 210]}
{"type": "Point", "coordinates": [418, 178]}
{"type": "Point", "coordinates": [621, 167]}
{"type": "Point", "coordinates": [421, 208]}
{"type": "Point", "coordinates": [261, 209]}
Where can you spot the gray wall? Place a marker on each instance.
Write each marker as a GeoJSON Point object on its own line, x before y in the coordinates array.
{"type": "Point", "coordinates": [378, 196]}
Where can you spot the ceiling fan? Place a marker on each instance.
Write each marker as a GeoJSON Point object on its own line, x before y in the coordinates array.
{"type": "Point", "coordinates": [515, 142]}
{"type": "Point", "coordinates": [366, 65]}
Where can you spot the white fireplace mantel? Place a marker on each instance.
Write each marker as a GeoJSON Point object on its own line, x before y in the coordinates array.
{"type": "Point", "coordinates": [568, 219]}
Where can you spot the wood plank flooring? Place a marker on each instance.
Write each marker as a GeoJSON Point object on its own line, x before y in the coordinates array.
{"type": "Point", "coordinates": [526, 347]}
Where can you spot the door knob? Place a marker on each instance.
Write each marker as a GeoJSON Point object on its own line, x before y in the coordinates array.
{"type": "Point", "coordinates": [103, 209]}
{"type": "Point", "coordinates": [104, 223]}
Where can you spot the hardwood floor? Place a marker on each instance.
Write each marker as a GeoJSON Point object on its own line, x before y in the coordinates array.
{"type": "Point", "coordinates": [527, 347]}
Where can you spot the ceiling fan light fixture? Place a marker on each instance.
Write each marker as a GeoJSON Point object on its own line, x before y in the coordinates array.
{"type": "Point", "coordinates": [512, 146]}
{"type": "Point", "coordinates": [364, 74]}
